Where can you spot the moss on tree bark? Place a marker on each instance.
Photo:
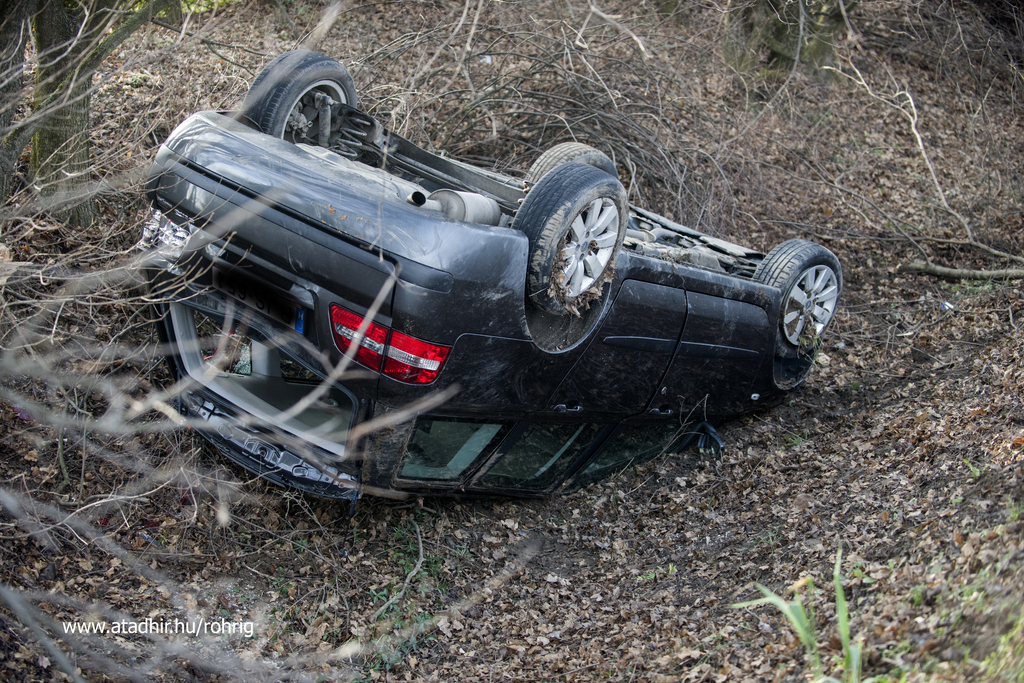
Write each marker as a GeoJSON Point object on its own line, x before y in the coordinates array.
{"type": "Point", "coordinates": [782, 32]}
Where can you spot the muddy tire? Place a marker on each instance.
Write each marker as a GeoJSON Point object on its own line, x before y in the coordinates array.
{"type": "Point", "coordinates": [282, 100]}
{"type": "Point", "coordinates": [576, 221]}
{"type": "Point", "coordinates": [811, 280]}
{"type": "Point", "coordinates": [565, 153]}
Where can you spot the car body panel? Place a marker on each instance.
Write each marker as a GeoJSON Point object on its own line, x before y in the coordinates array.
{"type": "Point", "coordinates": [280, 233]}
{"type": "Point", "coordinates": [627, 358]}
{"type": "Point", "coordinates": [720, 355]}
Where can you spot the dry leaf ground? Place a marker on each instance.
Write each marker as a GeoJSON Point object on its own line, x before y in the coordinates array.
{"type": "Point", "coordinates": [906, 446]}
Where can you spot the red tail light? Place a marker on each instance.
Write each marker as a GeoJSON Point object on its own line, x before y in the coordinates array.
{"type": "Point", "coordinates": [413, 361]}
{"type": "Point", "coordinates": [404, 358]}
{"type": "Point", "coordinates": [345, 324]}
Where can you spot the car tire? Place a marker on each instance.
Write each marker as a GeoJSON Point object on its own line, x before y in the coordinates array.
{"type": "Point", "coordinates": [289, 81]}
{"type": "Point", "coordinates": [570, 151]}
{"type": "Point", "coordinates": [576, 221]}
{"type": "Point", "coordinates": [811, 281]}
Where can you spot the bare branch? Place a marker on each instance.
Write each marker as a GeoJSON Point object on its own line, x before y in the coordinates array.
{"type": "Point", "coordinates": [965, 273]}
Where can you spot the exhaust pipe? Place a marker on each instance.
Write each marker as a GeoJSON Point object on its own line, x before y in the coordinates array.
{"type": "Point", "coordinates": [461, 206]}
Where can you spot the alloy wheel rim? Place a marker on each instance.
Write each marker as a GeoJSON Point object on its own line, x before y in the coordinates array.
{"type": "Point", "coordinates": [588, 246]}
{"type": "Point", "coordinates": [810, 305]}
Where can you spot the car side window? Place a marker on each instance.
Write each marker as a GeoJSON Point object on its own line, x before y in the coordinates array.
{"type": "Point", "coordinates": [443, 448]}
{"type": "Point", "coordinates": [631, 445]}
{"type": "Point", "coordinates": [540, 456]}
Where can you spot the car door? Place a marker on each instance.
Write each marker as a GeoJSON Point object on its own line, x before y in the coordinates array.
{"type": "Point", "coordinates": [628, 357]}
{"type": "Point", "coordinates": [721, 350]}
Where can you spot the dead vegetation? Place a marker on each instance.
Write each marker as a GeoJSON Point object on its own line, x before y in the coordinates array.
{"type": "Point", "coordinates": [905, 446]}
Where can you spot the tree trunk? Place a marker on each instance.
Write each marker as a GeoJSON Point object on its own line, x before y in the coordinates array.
{"type": "Point", "coordinates": [72, 39]}
{"type": "Point", "coordinates": [60, 146]}
{"type": "Point", "coordinates": [15, 18]}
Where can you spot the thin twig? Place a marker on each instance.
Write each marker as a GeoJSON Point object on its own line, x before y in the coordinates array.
{"type": "Point", "coordinates": [903, 102]}
{"type": "Point", "coordinates": [792, 74]}
{"type": "Point", "coordinates": [210, 41]}
{"type": "Point", "coordinates": [24, 612]}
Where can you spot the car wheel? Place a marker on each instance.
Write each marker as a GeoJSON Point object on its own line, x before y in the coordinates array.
{"type": "Point", "coordinates": [283, 99]}
{"type": "Point", "coordinates": [566, 152]}
{"type": "Point", "coordinates": [811, 280]}
{"type": "Point", "coordinates": [576, 221]}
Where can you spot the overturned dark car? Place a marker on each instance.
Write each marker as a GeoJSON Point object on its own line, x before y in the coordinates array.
{"type": "Point", "coordinates": [346, 312]}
